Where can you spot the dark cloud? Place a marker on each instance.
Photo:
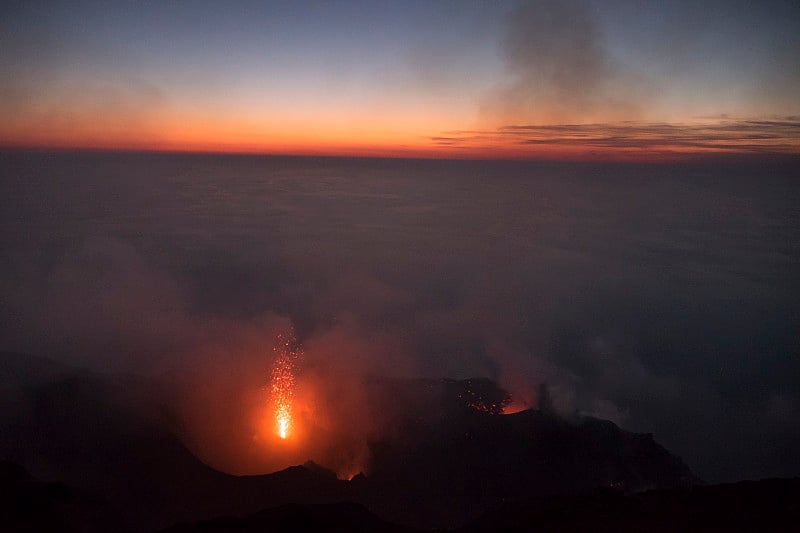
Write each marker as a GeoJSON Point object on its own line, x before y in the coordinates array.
{"type": "Point", "coordinates": [559, 69]}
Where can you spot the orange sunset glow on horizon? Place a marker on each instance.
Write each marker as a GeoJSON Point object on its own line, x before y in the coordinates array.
{"type": "Point", "coordinates": [627, 140]}
{"type": "Point", "coordinates": [525, 80]}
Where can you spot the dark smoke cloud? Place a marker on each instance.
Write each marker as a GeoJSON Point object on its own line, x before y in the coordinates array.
{"type": "Point", "coordinates": [559, 69]}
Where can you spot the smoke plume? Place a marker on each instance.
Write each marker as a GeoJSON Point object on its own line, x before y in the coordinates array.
{"type": "Point", "coordinates": [559, 69]}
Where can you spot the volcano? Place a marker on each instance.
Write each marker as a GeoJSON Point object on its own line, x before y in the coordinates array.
{"type": "Point", "coordinates": [451, 457]}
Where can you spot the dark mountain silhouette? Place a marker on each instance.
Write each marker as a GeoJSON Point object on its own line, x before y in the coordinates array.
{"type": "Point", "coordinates": [349, 517]}
{"type": "Point", "coordinates": [451, 459]}
{"type": "Point", "coordinates": [29, 505]}
{"type": "Point", "coordinates": [748, 506]}
{"type": "Point", "coordinates": [461, 458]}
{"type": "Point", "coordinates": [110, 436]}
{"type": "Point", "coordinates": [753, 506]}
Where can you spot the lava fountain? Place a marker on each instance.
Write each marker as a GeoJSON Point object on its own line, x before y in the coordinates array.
{"type": "Point", "coordinates": [286, 351]}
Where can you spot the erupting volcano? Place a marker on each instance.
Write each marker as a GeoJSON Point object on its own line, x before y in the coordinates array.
{"type": "Point", "coordinates": [286, 352]}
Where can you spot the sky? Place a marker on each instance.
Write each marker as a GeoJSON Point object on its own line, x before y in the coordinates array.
{"type": "Point", "coordinates": [513, 79]}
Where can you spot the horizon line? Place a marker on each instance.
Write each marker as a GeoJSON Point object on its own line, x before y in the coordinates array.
{"type": "Point", "coordinates": [594, 156]}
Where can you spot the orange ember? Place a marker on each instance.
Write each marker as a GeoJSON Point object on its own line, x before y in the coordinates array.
{"type": "Point", "coordinates": [286, 352]}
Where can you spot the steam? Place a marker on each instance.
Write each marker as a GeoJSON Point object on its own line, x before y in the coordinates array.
{"type": "Point", "coordinates": [100, 304]}
{"type": "Point", "coordinates": [106, 306]}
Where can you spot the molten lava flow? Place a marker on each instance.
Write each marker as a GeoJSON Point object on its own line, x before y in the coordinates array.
{"type": "Point", "coordinates": [286, 352]}
{"type": "Point", "coordinates": [515, 406]}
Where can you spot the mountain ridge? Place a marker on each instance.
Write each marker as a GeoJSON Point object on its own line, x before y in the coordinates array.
{"type": "Point", "coordinates": [109, 434]}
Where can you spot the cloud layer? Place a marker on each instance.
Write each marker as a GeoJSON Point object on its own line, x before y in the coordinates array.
{"type": "Point", "coordinates": [663, 297]}
{"type": "Point", "coordinates": [742, 136]}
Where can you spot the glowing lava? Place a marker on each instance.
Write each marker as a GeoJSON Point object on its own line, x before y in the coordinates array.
{"type": "Point", "coordinates": [283, 424]}
{"type": "Point", "coordinates": [286, 352]}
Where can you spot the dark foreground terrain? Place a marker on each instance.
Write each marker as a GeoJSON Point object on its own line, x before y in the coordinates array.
{"type": "Point", "coordinates": [90, 452]}
{"type": "Point", "coordinates": [768, 505]}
